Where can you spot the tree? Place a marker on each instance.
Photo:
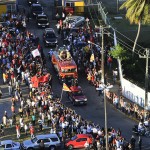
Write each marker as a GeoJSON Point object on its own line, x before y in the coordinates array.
{"type": "Point", "coordinates": [118, 52]}
{"type": "Point", "coordinates": [137, 13]}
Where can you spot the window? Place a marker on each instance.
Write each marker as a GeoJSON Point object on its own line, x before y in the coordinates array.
{"type": "Point", "coordinates": [39, 141]}
{"type": "Point", "coordinates": [8, 146]}
{"type": "Point", "coordinates": [46, 140]}
{"type": "Point", "coordinates": [83, 139]}
{"type": "Point", "coordinates": [54, 139]}
{"type": "Point", "coordinates": [11, 8]}
{"type": "Point", "coordinates": [78, 140]}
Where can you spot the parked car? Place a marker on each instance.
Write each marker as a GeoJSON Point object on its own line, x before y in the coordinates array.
{"type": "Point", "coordinates": [9, 145]}
{"type": "Point", "coordinates": [77, 96]}
{"type": "Point", "coordinates": [49, 37]}
{"type": "Point", "coordinates": [36, 9]}
{"type": "Point", "coordinates": [30, 2]}
{"type": "Point", "coordinates": [78, 141]}
{"type": "Point", "coordinates": [51, 142]}
{"type": "Point", "coordinates": [75, 21]}
{"type": "Point", "coordinates": [42, 20]}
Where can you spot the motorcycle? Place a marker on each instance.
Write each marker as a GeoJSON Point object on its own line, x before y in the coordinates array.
{"type": "Point", "coordinates": [145, 132]}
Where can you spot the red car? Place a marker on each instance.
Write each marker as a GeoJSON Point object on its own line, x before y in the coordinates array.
{"type": "Point", "coordinates": [78, 141]}
{"type": "Point", "coordinates": [77, 96]}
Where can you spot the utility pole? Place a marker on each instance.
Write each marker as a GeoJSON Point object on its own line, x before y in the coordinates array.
{"type": "Point", "coordinates": [102, 51]}
{"type": "Point", "coordinates": [146, 77]}
{"type": "Point", "coordinates": [102, 55]}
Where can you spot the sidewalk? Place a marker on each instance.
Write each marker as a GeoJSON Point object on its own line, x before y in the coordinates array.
{"type": "Point", "coordinates": [117, 90]}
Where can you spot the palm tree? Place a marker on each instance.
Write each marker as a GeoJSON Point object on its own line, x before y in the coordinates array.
{"type": "Point", "coordinates": [138, 12]}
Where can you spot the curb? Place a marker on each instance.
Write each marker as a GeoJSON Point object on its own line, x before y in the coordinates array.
{"type": "Point", "coordinates": [123, 113]}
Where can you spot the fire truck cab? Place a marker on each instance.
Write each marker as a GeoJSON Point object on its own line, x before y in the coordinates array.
{"type": "Point", "coordinates": [64, 64]}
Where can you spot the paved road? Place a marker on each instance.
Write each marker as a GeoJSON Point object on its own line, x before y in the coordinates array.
{"type": "Point", "coordinates": [94, 110]}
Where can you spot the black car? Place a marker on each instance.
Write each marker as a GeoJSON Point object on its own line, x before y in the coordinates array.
{"type": "Point", "coordinates": [36, 9]}
{"type": "Point", "coordinates": [42, 21]}
{"type": "Point", "coordinates": [30, 2]}
{"type": "Point", "coordinates": [49, 37]}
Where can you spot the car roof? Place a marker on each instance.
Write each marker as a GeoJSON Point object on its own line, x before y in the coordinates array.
{"type": "Point", "coordinates": [75, 88]}
{"type": "Point", "coordinates": [47, 136]}
{"type": "Point", "coordinates": [74, 17]}
{"type": "Point", "coordinates": [6, 142]}
{"type": "Point", "coordinates": [49, 30]}
{"type": "Point", "coordinates": [41, 15]}
{"type": "Point", "coordinates": [84, 135]}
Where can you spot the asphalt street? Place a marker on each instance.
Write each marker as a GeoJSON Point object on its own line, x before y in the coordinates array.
{"type": "Point", "coordinates": [94, 110]}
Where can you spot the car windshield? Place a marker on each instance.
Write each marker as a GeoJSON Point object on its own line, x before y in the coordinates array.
{"type": "Point", "coordinates": [70, 21]}
{"type": "Point", "coordinates": [37, 8]}
{"type": "Point", "coordinates": [73, 138]}
{"type": "Point", "coordinates": [42, 18]}
{"type": "Point", "coordinates": [50, 35]}
{"type": "Point", "coordinates": [70, 70]}
{"type": "Point", "coordinates": [34, 140]}
{"type": "Point", "coordinates": [77, 93]}
{"type": "Point", "coordinates": [42, 21]}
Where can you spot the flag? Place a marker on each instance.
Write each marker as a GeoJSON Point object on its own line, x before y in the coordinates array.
{"type": "Point", "coordinates": [35, 53]}
{"type": "Point", "coordinates": [92, 58]}
{"type": "Point", "coordinates": [44, 78]}
{"type": "Point", "coordinates": [35, 82]}
{"type": "Point", "coordinates": [115, 38]}
{"type": "Point", "coordinates": [66, 88]}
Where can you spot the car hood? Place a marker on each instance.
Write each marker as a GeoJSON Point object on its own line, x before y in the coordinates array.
{"type": "Point", "coordinates": [38, 11]}
{"type": "Point", "coordinates": [51, 39]}
{"type": "Point", "coordinates": [27, 143]}
{"type": "Point", "coordinates": [82, 97]}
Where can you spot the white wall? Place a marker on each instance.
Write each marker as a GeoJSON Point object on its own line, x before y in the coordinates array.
{"type": "Point", "coordinates": [134, 93]}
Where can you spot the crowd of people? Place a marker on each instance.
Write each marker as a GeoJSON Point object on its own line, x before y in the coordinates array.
{"type": "Point", "coordinates": [41, 108]}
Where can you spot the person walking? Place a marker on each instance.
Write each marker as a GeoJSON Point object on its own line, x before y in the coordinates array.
{"type": "Point", "coordinates": [132, 142]}
{"type": "Point", "coordinates": [42, 146]}
{"type": "Point", "coordinates": [18, 131]}
{"type": "Point", "coordinates": [25, 129]}
{"type": "Point", "coordinates": [140, 143]}
{"type": "Point", "coordinates": [32, 132]}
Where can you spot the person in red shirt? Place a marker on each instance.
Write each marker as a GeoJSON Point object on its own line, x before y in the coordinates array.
{"type": "Point", "coordinates": [32, 132]}
{"type": "Point", "coordinates": [18, 131]}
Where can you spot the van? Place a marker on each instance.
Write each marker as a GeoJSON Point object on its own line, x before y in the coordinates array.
{"type": "Point", "coordinates": [75, 21]}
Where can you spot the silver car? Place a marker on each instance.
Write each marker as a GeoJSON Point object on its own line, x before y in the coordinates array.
{"type": "Point", "coordinates": [75, 21]}
{"type": "Point", "coordinates": [51, 142]}
{"type": "Point", "coordinates": [9, 145]}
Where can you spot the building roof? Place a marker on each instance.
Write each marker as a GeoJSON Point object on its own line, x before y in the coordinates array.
{"type": "Point", "coordinates": [7, 1]}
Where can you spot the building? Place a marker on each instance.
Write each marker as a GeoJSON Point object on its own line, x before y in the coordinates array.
{"type": "Point", "coordinates": [7, 6]}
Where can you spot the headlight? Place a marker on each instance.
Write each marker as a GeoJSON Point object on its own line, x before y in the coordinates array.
{"type": "Point", "coordinates": [47, 24]}
{"type": "Point", "coordinates": [47, 42]}
{"type": "Point", "coordinates": [56, 41]}
{"type": "Point", "coordinates": [30, 2]}
{"type": "Point", "coordinates": [39, 24]}
{"type": "Point", "coordinates": [34, 13]}
{"type": "Point", "coordinates": [77, 100]}
{"type": "Point", "coordinates": [85, 99]}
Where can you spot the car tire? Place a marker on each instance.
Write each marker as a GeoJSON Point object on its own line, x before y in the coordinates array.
{"type": "Point", "coordinates": [70, 147]}
{"type": "Point", "coordinates": [52, 148]}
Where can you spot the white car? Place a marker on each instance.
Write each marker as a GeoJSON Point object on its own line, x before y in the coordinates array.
{"type": "Point", "coordinates": [51, 142]}
{"type": "Point", "coordinates": [75, 21]}
{"type": "Point", "coordinates": [9, 145]}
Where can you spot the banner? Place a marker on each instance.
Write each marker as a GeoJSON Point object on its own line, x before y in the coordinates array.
{"type": "Point", "coordinates": [35, 53]}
